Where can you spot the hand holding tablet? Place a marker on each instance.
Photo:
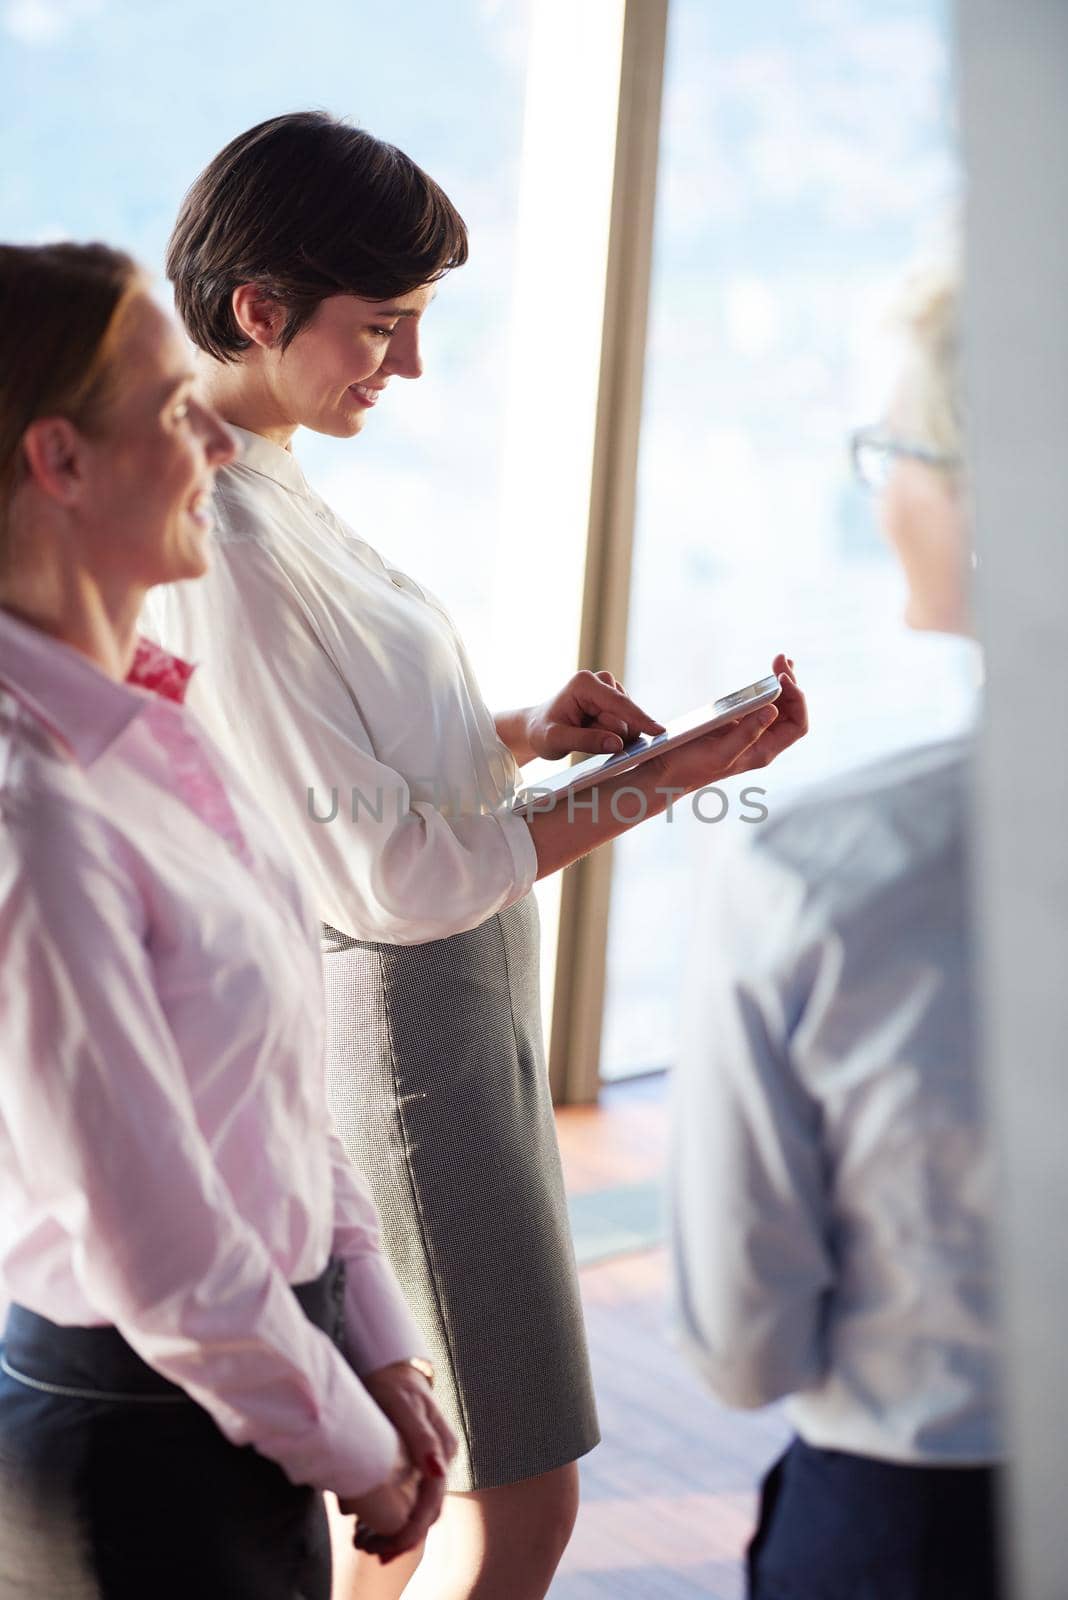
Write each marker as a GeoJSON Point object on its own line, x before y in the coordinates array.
{"type": "Point", "coordinates": [571, 780]}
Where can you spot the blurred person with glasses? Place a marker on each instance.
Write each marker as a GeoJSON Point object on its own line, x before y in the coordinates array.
{"type": "Point", "coordinates": [832, 1183]}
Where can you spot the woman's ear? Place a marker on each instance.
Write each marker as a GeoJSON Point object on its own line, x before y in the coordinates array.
{"type": "Point", "coordinates": [258, 314]}
{"type": "Point", "coordinates": [52, 450]}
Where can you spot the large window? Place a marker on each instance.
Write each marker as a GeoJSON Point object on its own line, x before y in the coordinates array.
{"type": "Point", "coordinates": [111, 107]}
{"type": "Point", "coordinates": [806, 158]}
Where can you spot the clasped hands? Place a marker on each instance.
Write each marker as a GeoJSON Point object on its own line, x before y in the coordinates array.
{"type": "Point", "coordinates": [396, 1515]}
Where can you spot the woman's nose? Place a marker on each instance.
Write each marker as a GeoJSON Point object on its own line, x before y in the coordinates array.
{"type": "Point", "coordinates": [405, 359]}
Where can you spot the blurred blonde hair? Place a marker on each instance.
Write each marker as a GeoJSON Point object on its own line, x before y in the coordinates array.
{"type": "Point", "coordinates": [925, 316]}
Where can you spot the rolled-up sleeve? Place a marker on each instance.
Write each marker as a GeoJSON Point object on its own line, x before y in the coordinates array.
{"type": "Point", "coordinates": [380, 863]}
{"type": "Point", "coordinates": [749, 1202]}
{"type": "Point", "coordinates": [95, 1101]}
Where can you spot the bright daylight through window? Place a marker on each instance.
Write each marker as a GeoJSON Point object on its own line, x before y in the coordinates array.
{"type": "Point", "coordinates": [807, 157]}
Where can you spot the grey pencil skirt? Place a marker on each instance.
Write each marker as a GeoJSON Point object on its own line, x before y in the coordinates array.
{"type": "Point", "coordinates": [440, 1093]}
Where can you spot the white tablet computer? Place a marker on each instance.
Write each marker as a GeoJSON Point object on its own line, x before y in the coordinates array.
{"type": "Point", "coordinates": [568, 780]}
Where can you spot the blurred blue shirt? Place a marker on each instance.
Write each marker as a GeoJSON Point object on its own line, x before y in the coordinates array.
{"type": "Point", "coordinates": [832, 1174]}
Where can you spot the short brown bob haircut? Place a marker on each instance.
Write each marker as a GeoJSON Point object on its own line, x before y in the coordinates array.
{"type": "Point", "coordinates": [308, 206]}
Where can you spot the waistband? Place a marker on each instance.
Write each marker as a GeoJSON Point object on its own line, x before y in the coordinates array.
{"type": "Point", "coordinates": [99, 1364]}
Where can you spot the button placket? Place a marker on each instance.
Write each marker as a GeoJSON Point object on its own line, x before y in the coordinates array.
{"type": "Point", "coordinates": [197, 782]}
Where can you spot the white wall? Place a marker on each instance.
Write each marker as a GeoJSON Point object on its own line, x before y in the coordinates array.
{"type": "Point", "coordinates": [1013, 63]}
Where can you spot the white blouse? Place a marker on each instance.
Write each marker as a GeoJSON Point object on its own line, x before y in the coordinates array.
{"type": "Point", "coordinates": [167, 1163]}
{"type": "Point", "coordinates": [345, 695]}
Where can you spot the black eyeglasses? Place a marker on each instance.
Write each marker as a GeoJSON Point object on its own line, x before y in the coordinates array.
{"type": "Point", "coordinates": [873, 450]}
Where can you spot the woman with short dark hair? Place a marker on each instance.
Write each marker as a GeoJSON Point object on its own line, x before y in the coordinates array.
{"type": "Point", "coordinates": [173, 1392]}
{"type": "Point", "coordinates": [303, 261]}
{"type": "Point", "coordinates": [307, 207]}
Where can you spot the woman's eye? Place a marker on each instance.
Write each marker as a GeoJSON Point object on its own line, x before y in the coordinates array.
{"type": "Point", "coordinates": [384, 333]}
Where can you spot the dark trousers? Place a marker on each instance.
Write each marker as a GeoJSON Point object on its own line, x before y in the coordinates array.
{"type": "Point", "coordinates": [834, 1526]}
{"type": "Point", "coordinates": [127, 1490]}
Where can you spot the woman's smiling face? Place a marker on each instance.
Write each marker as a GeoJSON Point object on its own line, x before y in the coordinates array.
{"type": "Point", "coordinates": [149, 469]}
{"type": "Point", "coordinates": [336, 368]}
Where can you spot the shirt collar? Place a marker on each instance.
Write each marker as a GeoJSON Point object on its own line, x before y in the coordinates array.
{"type": "Point", "coordinates": [270, 460]}
{"type": "Point", "coordinates": [77, 702]}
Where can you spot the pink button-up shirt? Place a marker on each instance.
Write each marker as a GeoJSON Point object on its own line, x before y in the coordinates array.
{"type": "Point", "coordinates": [167, 1163]}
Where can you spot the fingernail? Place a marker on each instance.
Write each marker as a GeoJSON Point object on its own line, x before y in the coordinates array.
{"type": "Point", "coordinates": [435, 1467]}
{"type": "Point", "coordinates": [610, 746]}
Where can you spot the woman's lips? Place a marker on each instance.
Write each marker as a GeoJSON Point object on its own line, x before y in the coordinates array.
{"type": "Point", "coordinates": [200, 510]}
{"type": "Point", "coordinates": [366, 396]}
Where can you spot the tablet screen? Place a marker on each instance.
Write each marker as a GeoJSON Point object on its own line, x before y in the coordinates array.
{"type": "Point", "coordinates": [543, 794]}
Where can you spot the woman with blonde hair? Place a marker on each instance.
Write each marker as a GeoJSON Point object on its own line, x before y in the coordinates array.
{"type": "Point", "coordinates": [833, 1193]}
{"type": "Point", "coordinates": [186, 1247]}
